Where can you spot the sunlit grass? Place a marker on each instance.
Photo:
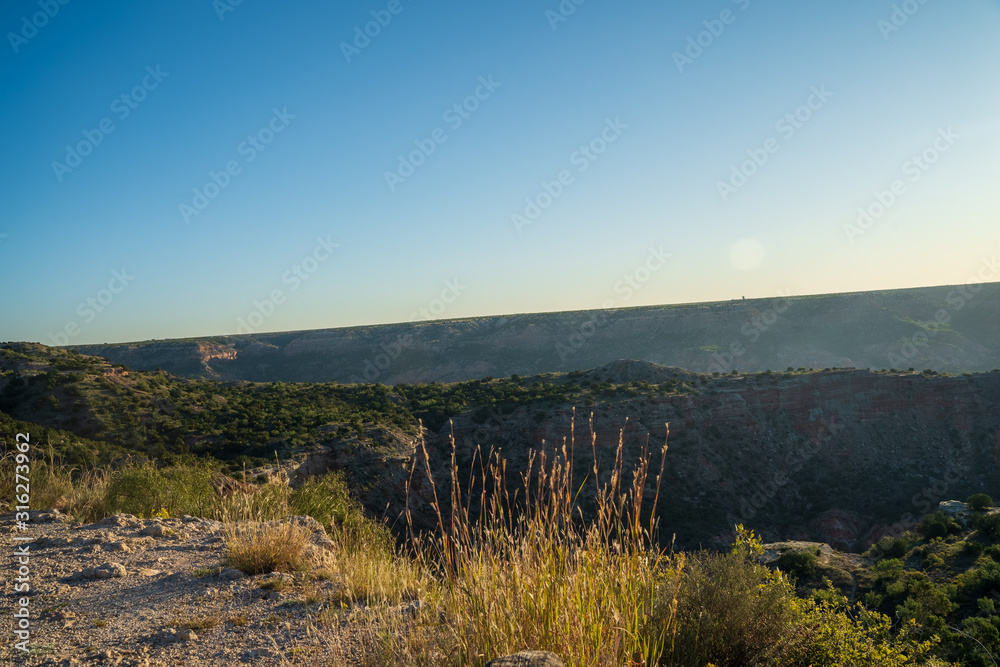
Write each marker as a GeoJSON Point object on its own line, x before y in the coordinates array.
{"type": "Point", "coordinates": [511, 565]}
{"type": "Point", "coordinates": [527, 572]}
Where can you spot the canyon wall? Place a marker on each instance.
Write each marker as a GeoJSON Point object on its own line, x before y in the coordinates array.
{"type": "Point", "coordinates": [947, 329]}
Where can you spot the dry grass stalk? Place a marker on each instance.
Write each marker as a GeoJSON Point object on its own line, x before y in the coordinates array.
{"type": "Point", "coordinates": [529, 572]}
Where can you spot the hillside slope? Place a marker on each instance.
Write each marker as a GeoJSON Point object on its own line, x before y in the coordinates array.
{"type": "Point", "coordinates": [843, 457]}
{"type": "Point", "coordinates": [839, 456]}
{"type": "Point", "coordinates": [947, 329]}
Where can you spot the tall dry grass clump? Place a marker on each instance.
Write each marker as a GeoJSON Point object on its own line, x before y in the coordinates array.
{"type": "Point", "coordinates": [259, 547]}
{"type": "Point", "coordinates": [364, 559]}
{"type": "Point", "coordinates": [526, 571]}
{"type": "Point", "coordinates": [259, 534]}
{"type": "Point", "coordinates": [262, 536]}
{"type": "Point", "coordinates": [78, 493]}
{"type": "Point", "coordinates": [374, 576]}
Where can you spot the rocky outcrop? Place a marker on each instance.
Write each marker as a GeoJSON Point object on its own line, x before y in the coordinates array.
{"type": "Point", "coordinates": [376, 465]}
{"type": "Point", "coordinates": [185, 357]}
{"type": "Point", "coordinates": [224, 485]}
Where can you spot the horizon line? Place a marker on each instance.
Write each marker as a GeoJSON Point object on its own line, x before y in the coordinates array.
{"type": "Point", "coordinates": [523, 314]}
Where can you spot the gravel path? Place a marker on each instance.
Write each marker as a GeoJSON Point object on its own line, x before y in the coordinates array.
{"type": "Point", "coordinates": [126, 591]}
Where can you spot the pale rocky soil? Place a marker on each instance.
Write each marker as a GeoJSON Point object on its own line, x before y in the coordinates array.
{"type": "Point", "coordinates": [122, 590]}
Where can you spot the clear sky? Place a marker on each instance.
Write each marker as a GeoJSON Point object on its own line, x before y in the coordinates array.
{"type": "Point", "coordinates": [170, 169]}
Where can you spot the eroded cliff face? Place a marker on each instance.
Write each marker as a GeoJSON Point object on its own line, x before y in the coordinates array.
{"type": "Point", "coordinates": [838, 457]}
{"type": "Point", "coordinates": [191, 359]}
{"type": "Point", "coordinates": [948, 329]}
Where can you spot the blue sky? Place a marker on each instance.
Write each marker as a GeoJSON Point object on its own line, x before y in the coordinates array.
{"type": "Point", "coordinates": [468, 159]}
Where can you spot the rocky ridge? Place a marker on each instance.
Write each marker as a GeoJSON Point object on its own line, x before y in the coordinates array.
{"type": "Point", "coordinates": [947, 329]}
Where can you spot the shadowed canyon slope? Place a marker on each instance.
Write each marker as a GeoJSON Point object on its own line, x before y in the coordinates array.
{"type": "Point", "coordinates": [947, 329]}
{"type": "Point", "coordinates": [843, 457]}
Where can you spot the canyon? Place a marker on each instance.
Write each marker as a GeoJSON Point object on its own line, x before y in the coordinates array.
{"type": "Point", "coordinates": [843, 457]}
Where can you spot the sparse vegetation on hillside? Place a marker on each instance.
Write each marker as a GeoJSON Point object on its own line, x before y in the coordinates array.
{"type": "Point", "coordinates": [979, 502]}
{"type": "Point", "coordinates": [505, 569]}
{"type": "Point", "coordinates": [533, 575]}
{"type": "Point", "coordinates": [158, 416]}
{"type": "Point", "coordinates": [939, 583]}
{"type": "Point", "coordinates": [870, 328]}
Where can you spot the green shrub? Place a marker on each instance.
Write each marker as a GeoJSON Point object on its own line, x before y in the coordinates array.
{"type": "Point", "coordinates": [970, 548]}
{"type": "Point", "coordinates": [979, 502]}
{"type": "Point", "coordinates": [844, 635]}
{"type": "Point", "coordinates": [979, 581]}
{"type": "Point", "coordinates": [939, 524]}
{"type": "Point", "coordinates": [732, 611]}
{"type": "Point", "coordinates": [800, 564]}
{"type": "Point", "coordinates": [840, 579]}
{"type": "Point", "coordinates": [143, 489]}
{"type": "Point", "coordinates": [983, 640]}
{"type": "Point", "coordinates": [927, 603]}
{"type": "Point", "coordinates": [328, 500]}
{"type": "Point", "coordinates": [889, 569]}
{"type": "Point", "coordinates": [988, 525]}
{"type": "Point", "coordinates": [933, 562]}
{"type": "Point", "coordinates": [895, 547]}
